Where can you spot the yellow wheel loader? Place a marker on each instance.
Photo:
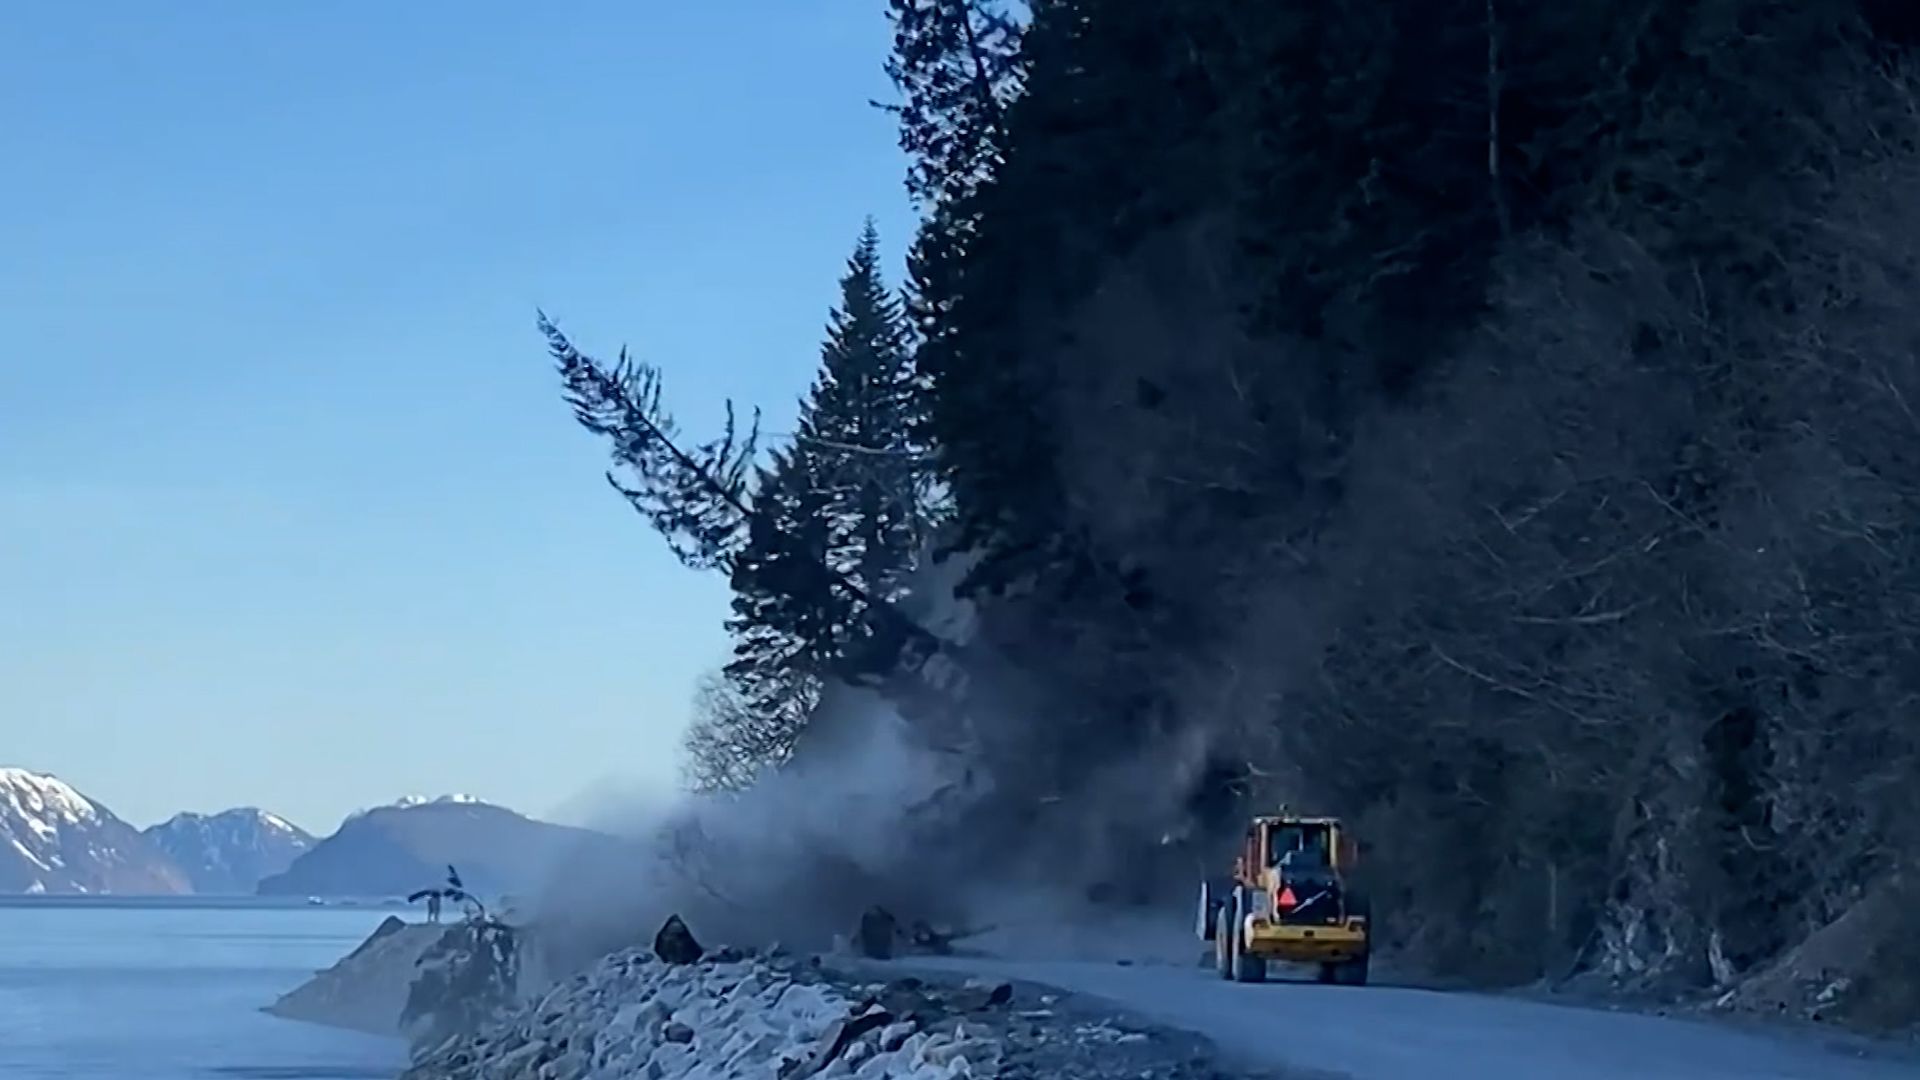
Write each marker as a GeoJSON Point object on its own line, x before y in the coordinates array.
{"type": "Point", "coordinates": [1290, 900]}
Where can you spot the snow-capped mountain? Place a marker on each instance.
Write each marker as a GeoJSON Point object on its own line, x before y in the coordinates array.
{"type": "Point", "coordinates": [55, 840]}
{"type": "Point", "coordinates": [405, 802]}
{"type": "Point", "coordinates": [230, 852]}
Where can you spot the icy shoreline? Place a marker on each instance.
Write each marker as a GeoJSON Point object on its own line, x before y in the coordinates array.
{"type": "Point", "coordinates": [365, 990]}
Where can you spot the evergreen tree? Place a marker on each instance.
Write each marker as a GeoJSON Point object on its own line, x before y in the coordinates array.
{"type": "Point", "coordinates": [846, 495]}
{"type": "Point", "coordinates": [788, 616]}
{"type": "Point", "coordinates": [858, 429]}
{"type": "Point", "coordinates": [959, 66]}
{"type": "Point", "coordinates": [956, 64]}
{"type": "Point", "coordinates": [818, 541]}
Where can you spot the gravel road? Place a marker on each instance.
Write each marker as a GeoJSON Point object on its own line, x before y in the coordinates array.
{"type": "Point", "coordinates": [1392, 1033]}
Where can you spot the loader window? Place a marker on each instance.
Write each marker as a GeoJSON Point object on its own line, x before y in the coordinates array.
{"type": "Point", "coordinates": [1311, 839]}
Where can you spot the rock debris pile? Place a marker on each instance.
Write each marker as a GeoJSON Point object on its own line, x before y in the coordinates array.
{"type": "Point", "coordinates": [731, 1016]}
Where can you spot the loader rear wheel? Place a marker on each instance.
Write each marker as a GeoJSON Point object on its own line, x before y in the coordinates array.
{"type": "Point", "coordinates": [1346, 973]}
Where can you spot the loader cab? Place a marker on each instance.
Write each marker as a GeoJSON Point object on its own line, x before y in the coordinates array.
{"type": "Point", "coordinates": [1305, 842]}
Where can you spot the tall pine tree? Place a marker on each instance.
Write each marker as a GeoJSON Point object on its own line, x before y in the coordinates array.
{"type": "Point", "coordinates": [846, 495]}
{"type": "Point", "coordinates": [858, 429]}
{"type": "Point", "coordinates": [958, 66]}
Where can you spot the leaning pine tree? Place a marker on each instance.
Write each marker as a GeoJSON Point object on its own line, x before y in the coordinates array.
{"type": "Point", "coordinates": [816, 542]}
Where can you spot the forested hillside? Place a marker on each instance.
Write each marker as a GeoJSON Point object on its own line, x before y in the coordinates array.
{"type": "Point", "coordinates": [1492, 422]}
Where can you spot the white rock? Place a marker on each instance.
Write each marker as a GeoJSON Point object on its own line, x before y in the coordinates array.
{"type": "Point", "coordinates": [882, 1064]}
{"type": "Point", "coordinates": [671, 1059]}
{"type": "Point", "coordinates": [746, 1019]}
{"type": "Point", "coordinates": [942, 1053]}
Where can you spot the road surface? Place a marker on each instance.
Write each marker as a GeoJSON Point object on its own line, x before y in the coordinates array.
{"type": "Point", "coordinates": [1389, 1033]}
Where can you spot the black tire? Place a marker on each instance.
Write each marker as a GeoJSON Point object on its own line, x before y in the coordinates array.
{"type": "Point", "coordinates": [1253, 969]}
{"type": "Point", "coordinates": [1329, 973]}
{"type": "Point", "coordinates": [1206, 919]}
{"type": "Point", "coordinates": [1359, 907]}
{"type": "Point", "coordinates": [1247, 968]}
{"type": "Point", "coordinates": [1352, 972]}
{"type": "Point", "coordinates": [1223, 938]}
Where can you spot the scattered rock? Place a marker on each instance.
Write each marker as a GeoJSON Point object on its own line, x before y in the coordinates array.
{"type": "Point", "coordinates": [635, 1015]}
{"type": "Point", "coordinates": [978, 995]}
{"type": "Point", "coordinates": [675, 944]}
{"type": "Point", "coordinates": [926, 939]}
{"type": "Point", "coordinates": [838, 1037]}
{"type": "Point", "coordinates": [895, 1035]}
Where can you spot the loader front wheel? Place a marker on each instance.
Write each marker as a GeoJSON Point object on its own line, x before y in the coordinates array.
{"type": "Point", "coordinates": [1247, 967]}
{"type": "Point", "coordinates": [1223, 941]}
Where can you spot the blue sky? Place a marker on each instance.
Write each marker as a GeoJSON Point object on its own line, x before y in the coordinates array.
{"type": "Point", "coordinates": [291, 514]}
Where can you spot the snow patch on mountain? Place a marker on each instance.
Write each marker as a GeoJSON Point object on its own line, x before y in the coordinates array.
{"type": "Point", "coordinates": [408, 802]}
{"type": "Point", "coordinates": [232, 851]}
{"type": "Point", "coordinates": [43, 802]}
{"type": "Point", "coordinates": [58, 840]}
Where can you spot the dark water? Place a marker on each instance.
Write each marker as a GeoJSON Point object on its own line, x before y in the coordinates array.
{"type": "Point", "coordinates": [171, 990]}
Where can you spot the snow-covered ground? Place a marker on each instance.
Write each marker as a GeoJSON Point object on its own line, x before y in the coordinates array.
{"type": "Point", "coordinates": [634, 1016]}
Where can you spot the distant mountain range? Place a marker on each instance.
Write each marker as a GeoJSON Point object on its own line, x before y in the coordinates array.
{"type": "Point", "coordinates": [393, 850]}
{"type": "Point", "coordinates": [53, 839]}
{"type": "Point", "coordinates": [231, 852]}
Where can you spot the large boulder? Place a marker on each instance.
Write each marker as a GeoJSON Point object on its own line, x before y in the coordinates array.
{"type": "Point", "coordinates": [876, 934]}
{"type": "Point", "coordinates": [675, 944]}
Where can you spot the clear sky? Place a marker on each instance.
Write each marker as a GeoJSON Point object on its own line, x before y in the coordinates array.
{"type": "Point", "coordinates": [291, 514]}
